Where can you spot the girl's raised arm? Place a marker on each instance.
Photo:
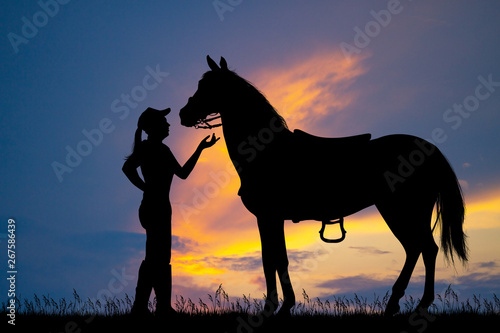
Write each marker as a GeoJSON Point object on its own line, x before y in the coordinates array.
{"type": "Point", "coordinates": [186, 169]}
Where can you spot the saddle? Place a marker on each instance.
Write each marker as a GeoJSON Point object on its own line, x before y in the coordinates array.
{"type": "Point", "coordinates": [337, 145]}
{"type": "Point", "coordinates": [341, 147]}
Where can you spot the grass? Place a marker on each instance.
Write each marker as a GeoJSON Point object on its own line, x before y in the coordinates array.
{"type": "Point", "coordinates": [220, 313]}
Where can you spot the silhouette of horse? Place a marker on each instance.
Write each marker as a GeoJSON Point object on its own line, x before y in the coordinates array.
{"type": "Point", "coordinates": [296, 176]}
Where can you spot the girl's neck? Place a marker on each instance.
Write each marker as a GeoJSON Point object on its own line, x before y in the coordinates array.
{"type": "Point", "coordinates": [154, 139]}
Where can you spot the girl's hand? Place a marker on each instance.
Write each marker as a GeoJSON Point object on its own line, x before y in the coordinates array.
{"type": "Point", "coordinates": [207, 144]}
{"type": "Point", "coordinates": [185, 170]}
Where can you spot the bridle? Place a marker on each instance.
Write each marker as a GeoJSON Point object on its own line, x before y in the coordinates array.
{"type": "Point", "coordinates": [205, 123]}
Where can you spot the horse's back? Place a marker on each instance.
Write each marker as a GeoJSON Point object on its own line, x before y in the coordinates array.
{"type": "Point", "coordinates": [332, 145]}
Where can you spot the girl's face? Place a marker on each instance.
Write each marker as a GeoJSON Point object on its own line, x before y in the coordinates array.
{"type": "Point", "coordinates": [160, 129]}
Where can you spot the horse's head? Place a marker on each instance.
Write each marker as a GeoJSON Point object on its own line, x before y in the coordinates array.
{"type": "Point", "coordinates": [205, 104]}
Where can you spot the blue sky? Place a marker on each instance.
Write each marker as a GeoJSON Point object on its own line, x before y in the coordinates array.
{"type": "Point", "coordinates": [76, 71]}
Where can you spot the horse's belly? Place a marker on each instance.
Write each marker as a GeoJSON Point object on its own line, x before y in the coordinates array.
{"type": "Point", "coordinates": [314, 201]}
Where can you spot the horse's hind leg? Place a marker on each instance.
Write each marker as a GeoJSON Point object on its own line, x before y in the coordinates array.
{"type": "Point", "coordinates": [398, 290]}
{"type": "Point", "coordinates": [405, 226]}
{"type": "Point", "coordinates": [429, 254]}
{"type": "Point", "coordinates": [410, 224]}
{"type": "Point", "coordinates": [429, 251]}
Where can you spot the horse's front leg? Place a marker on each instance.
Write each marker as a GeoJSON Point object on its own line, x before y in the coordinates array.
{"type": "Point", "coordinates": [282, 268]}
{"type": "Point", "coordinates": [275, 260]}
{"type": "Point", "coordinates": [267, 239]}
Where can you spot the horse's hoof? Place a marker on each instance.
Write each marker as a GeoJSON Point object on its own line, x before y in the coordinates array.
{"type": "Point", "coordinates": [283, 313]}
{"type": "Point", "coordinates": [285, 310]}
{"type": "Point", "coordinates": [425, 303]}
{"type": "Point", "coordinates": [391, 309]}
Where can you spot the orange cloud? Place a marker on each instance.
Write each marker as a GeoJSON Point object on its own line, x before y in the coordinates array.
{"type": "Point", "coordinates": [483, 210]}
{"type": "Point", "coordinates": [312, 88]}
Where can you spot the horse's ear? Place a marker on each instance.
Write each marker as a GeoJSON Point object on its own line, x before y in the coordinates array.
{"type": "Point", "coordinates": [213, 66]}
{"type": "Point", "coordinates": [223, 64]}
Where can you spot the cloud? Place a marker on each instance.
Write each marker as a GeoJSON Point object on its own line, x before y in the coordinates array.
{"type": "Point", "coordinates": [250, 262]}
{"type": "Point", "coordinates": [312, 87]}
{"type": "Point", "coordinates": [368, 250]}
{"type": "Point", "coordinates": [465, 286]}
{"type": "Point", "coordinates": [464, 184]}
{"type": "Point", "coordinates": [304, 261]}
{"type": "Point", "coordinates": [484, 283]}
{"type": "Point", "coordinates": [488, 264]}
{"type": "Point", "coordinates": [213, 265]}
{"type": "Point", "coordinates": [357, 283]}
{"type": "Point", "coordinates": [187, 287]}
{"type": "Point", "coordinates": [259, 281]}
{"type": "Point", "coordinates": [483, 210]}
{"type": "Point", "coordinates": [183, 245]}
{"type": "Point", "coordinates": [480, 278]}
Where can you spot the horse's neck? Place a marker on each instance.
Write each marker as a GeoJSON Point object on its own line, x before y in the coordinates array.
{"type": "Point", "coordinates": [237, 134]}
{"type": "Point", "coordinates": [246, 136]}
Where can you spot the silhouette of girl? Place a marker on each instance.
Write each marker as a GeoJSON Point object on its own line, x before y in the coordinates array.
{"type": "Point", "coordinates": [158, 166]}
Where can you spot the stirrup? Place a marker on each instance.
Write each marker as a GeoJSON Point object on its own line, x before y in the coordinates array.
{"type": "Point", "coordinates": [327, 222]}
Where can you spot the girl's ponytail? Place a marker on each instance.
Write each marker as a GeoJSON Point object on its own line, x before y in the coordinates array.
{"type": "Point", "coordinates": [146, 121]}
{"type": "Point", "coordinates": [137, 142]}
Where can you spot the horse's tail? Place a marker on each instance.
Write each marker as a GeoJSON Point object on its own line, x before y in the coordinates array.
{"type": "Point", "coordinates": [450, 213]}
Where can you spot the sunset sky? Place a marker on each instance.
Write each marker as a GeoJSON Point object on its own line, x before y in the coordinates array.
{"type": "Point", "coordinates": [331, 68]}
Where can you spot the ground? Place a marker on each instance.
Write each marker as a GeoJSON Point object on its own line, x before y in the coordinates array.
{"type": "Point", "coordinates": [243, 323]}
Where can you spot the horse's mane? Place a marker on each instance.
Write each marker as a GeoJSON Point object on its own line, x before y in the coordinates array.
{"type": "Point", "coordinates": [257, 96]}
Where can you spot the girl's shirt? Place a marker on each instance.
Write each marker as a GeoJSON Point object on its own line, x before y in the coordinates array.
{"type": "Point", "coordinates": [158, 166]}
